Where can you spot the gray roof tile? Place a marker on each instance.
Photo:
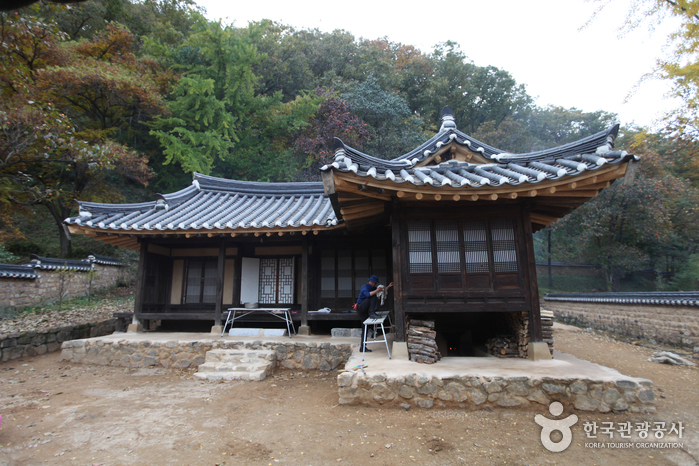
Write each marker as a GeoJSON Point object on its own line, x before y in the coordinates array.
{"type": "Point", "coordinates": [589, 153]}
{"type": "Point", "coordinates": [216, 203]}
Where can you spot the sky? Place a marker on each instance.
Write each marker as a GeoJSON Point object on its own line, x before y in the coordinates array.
{"type": "Point", "coordinates": [541, 43]}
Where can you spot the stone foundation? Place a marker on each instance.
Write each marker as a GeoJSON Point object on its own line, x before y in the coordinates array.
{"type": "Point", "coordinates": [475, 392]}
{"type": "Point", "coordinates": [184, 354]}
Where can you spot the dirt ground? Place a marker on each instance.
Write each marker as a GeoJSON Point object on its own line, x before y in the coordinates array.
{"type": "Point", "coordinates": [58, 414]}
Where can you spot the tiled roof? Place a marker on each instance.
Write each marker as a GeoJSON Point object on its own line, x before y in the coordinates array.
{"type": "Point", "coordinates": [45, 263]}
{"type": "Point", "coordinates": [104, 260]}
{"type": "Point", "coordinates": [587, 154]}
{"type": "Point", "coordinates": [216, 203]}
{"type": "Point", "coordinates": [664, 298]}
{"type": "Point", "coordinates": [18, 271]}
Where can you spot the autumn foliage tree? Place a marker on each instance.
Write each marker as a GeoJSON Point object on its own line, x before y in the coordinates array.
{"type": "Point", "coordinates": [61, 106]}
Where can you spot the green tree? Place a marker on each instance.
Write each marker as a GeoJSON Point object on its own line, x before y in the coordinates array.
{"type": "Point", "coordinates": [218, 123]}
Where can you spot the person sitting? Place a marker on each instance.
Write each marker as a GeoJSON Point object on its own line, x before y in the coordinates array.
{"type": "Point", "coordinates": [368, 304]}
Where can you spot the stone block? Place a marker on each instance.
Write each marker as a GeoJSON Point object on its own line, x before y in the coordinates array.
{"type": "Point", "coordinates": [8, 343]}
{"type": "Point", "coordinates": [341, 332]}
{"type": "Point", "coordinates": [135, 328]}
{"type": "Point", "coordinates": [303, 330]}
{"type": "Point", "coordinates": [646, 396]}
{"type": "Point", "coordinates": [399, 350]}
{"type": "Point", "coordinates": [538, 351]}
{"type": "Point", "coordinates": [406, 391]}
{"type": "Point", "coordinates": [426, 404]}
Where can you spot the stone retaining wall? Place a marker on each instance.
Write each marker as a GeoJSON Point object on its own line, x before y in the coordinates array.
{"type": "Point", "coordinates": [672, 325]}
{"type": "Point", "coordinates": [184, 354]}
{"type": "Point", "coordinates": [419, 390]}
{"type": "Point", "coordinates": [16, 293]}
{"type": "Point", "coordinates": [17, 345]}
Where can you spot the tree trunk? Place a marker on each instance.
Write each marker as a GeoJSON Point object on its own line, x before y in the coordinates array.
{"type": "Point", "coordinates": [60, 213]}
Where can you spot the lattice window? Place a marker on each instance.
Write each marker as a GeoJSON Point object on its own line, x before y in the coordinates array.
{"type": "Point", "coordinates": [276, 281]}
{"type": "Point", "coordinates": [268, 281]}
{"type": "Point", "coordinates": [420, 247]}
{"type": "Point", "coordinates": [504, 246]}
{"type": "Point", "coordinates": [475, 246]}
{"type": "Point", "coordinates": [286, 280]}
{"type": "Point", "coordinates": [327, 273]}
{"type": "Point", "coordinates": [447, 246]}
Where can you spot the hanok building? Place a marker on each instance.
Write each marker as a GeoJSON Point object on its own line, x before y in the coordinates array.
{"type": "Point", "coordinates": [450, 223]}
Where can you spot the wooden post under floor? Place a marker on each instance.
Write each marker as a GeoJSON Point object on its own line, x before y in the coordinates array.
{"type": "Point", "coordinates": [219, 282]}
{"type": "Point", "coordinates": [304, 284]}
{"type": "Point", "coordinates": [535, 313]}
{"type": "Point", "coordinates": [399, 311]}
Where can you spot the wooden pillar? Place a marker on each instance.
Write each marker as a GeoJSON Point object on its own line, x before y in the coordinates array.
{"type": "Point", "coordinates": [305, 295]}
{"type": "Point", "coordinates": [398, 277]}
{"type": "Point", "coordinates": [238, 270]}
{"type": "Point", "coordinates": [140, 282]}
{"type": "Point", "coordinates": [219, 281]}
{"type": "Point", "coordinates": [535, 312]}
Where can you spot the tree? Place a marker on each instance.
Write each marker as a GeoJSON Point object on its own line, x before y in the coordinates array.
{"type": "Point", "coordinates": [477, 94]}
{"type": "Point", "coordinates": [631, 228]}
{"type": "Point", "coordinates": [50, 151]}
{"type": "Point", "coordinates": [315, 145]}
{"type": "Point", "coordinates": [218, 124]}
{"type": "Point", "coordinates": [395, 129]}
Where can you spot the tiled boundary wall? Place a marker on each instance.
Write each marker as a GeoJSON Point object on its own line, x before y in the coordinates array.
{"type": "Point", "coordinates": [671, 325]}
{"type": "Point", "coordinates": [475, 392]}
{"type": "Point", "coordinates": [16, 293]}
{"type": "Point", "coordinates": [184, 354]}
{"type": "Point", "coordinates": [17, 345]}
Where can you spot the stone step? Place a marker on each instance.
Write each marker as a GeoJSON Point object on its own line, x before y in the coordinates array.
{"type": "Point", "coordinates": [255, 376]}
{"type": "Point", "coordinates": [227, 355]}
{"type": "Point", "coordinates": [224, 365]}
{"type": "Point", "coordinates": [211, 367]}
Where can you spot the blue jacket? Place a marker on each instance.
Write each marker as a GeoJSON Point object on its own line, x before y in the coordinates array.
{"type": "Point", "coordinates": [364, 293]}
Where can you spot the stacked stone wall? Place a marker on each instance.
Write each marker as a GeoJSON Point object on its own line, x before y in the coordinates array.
{"type": "Point", "coordinates": [422, 391]}
{"type": "Point", "coordinates": [17, 345]}
{"type": "Point", "coordinates": [184, 354]}
{"type": "Point", "coordinates": [671, 325]}
{"type": "Point", "coordinates": [16, 293]}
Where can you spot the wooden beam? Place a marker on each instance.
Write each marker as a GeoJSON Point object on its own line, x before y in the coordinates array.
{"type": "Point", "coordinates": [456, 197]}
{"type": "Point", "coordinates": [140, 280]}
{"type": "Point", "coordinates": [219, 281]}
{"type": "Point", "coordinates": [542, 218]}
{"type": "Point", "coordinates": [353, 210]}
{"type": "Point", "coordinates": [492, 197]}
{"type": "Point", "coordinates": [400, 194]}
{"type": "Point", "coordinates": [398, 277]}
{"type": "Point", "coordinates": [535, 313]}
{"type": "Point", "coordinates": [437, 197]}
{"type": "Point", "coordinates": [304, 283]}
{"type": "Point", "coordinates": [576, 193]}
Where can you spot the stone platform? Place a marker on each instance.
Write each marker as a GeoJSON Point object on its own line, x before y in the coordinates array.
{"type": "Point", "coordinates": [453, 382]}
{"type": "Point", "coordinates": [183, 350]}
{"type": "Point", "coordinates": [477, 382]}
